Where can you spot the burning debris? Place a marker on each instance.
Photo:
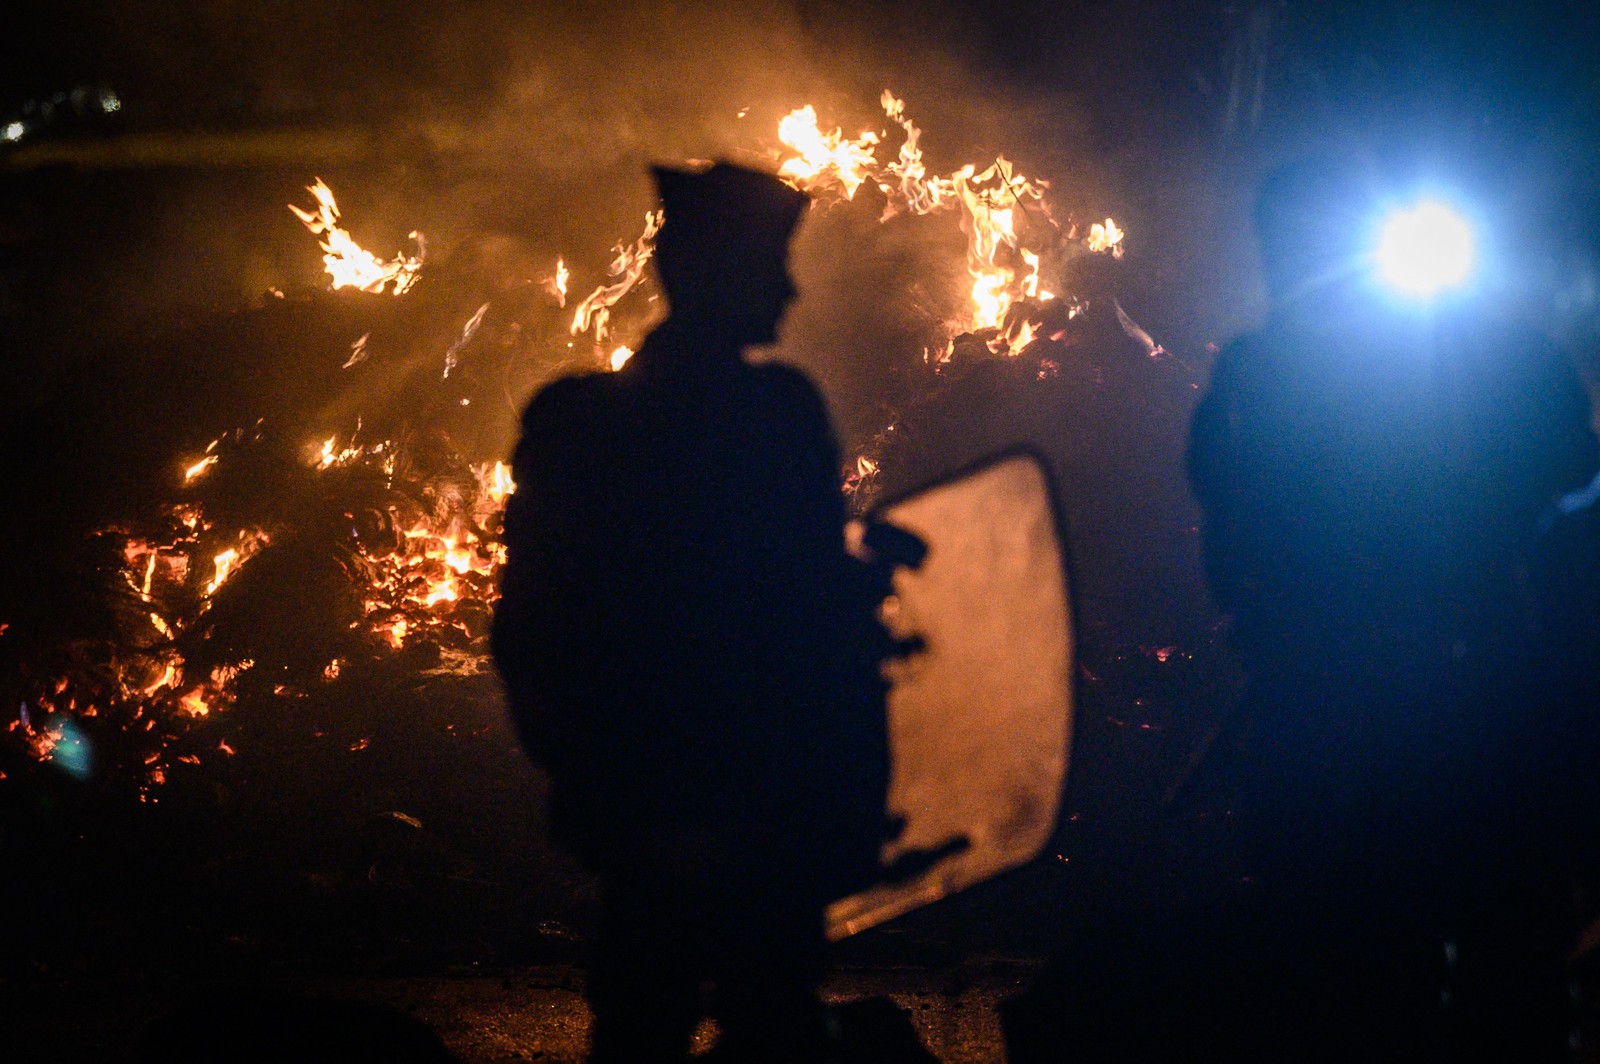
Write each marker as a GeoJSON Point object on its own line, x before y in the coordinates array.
{"type": "Point", "coordinates": [278, 566]}
{"type": "Point", "coordinates": [1011, 232]}
{"type": "Point", "coordinates": [389, 545]}
{"type": "Point", "coordinates": [1012, 235]}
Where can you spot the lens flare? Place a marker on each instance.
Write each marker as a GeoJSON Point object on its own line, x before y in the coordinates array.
{"type": "Point", "coordinates": [1426, 249]}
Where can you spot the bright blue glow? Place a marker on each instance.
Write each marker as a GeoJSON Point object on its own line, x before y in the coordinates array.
{"type": "Point", "coordinates": [1425, 249]}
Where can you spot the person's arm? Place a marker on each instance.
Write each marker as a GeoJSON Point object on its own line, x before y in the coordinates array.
{"type": "Point", "coordinates": [542, 582]}
{"type": "Point", "coordinates": [1212, 459]}
{"type": "Point", "coordinates": [1564, 454]}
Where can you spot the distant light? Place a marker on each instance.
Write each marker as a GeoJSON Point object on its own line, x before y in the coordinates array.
{"type": "Point", "coordinates": [13, 132]}
{"type": "Point", "coordinates": [109, 101]}
{"type": "Point", "coordinates": [1426, 249]}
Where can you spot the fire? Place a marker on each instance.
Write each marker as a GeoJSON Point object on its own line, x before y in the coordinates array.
{"type": "Point", "coordinates": [422, 550]}
{"type": "Point", "coordinates": [499, 484]}
{"type": "Point", "coordinates": [920, 193]}
{"type": "Point", "coordinates": [825, 158]}
{"type": "Point", "coordinates": [1106, 237]}
{"type": "Point", "coordinates": [1030, 283]}
{"type": "Point", "coordinates": [1001, 211]}
{"type": "Point", "coordinates": [224, 564]}
{"type": "Point", "coordinates": [228, 561]}
{"type": "Point", "coordinates": [358, 351]}
{"type": "Point", "coordinates": [556, 284]}
{"type": "Point", "coordinates": [990, 202]}
{"type": "Point", "coordinates": [452, 357]}
{"type": "Point", "coordinates": [348, 263]}
{"type": "Point", "coordinates": [627, 267]}
{"type": "Point", "coordinates": [194, 703]}
{"type": "Point", "coordinates": [991, 298]}
{"type": "Point", "coordinates": [327, 455]}
{"type": "Point", "coordinates": [200, 468]}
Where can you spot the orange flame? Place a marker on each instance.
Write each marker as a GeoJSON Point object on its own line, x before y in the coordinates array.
{"type": "Point", "coordinates": [628, 267]}
{"type": "Point", "coordinates": [348, 263]}
{"type": "Point", "coordinates": [1106, 237]}
{"type": "Point", "coordinates": [556, 284]}
{"type": "Point", "coordinates": [200, 468]}
{"type": "Point", "coordinates": [824, 158]}
{"type": "Point", "coordinates": [229, 561]}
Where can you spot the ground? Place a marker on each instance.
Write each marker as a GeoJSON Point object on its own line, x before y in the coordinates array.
{"type": "Point", "coordinates": [515, 1014]}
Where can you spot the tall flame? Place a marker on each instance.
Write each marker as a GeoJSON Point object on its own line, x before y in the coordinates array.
{"type": "Point", "coordinates": [920, 193]}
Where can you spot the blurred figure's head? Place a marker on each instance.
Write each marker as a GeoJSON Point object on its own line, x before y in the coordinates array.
{"type": "Point", "coordinates": [723, 251]}
{"type": "Point", "coordinates": [1312, 219]}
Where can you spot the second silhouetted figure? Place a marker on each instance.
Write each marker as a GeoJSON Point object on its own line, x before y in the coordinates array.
{"type": "Point", "coordinates": [1372, 478]}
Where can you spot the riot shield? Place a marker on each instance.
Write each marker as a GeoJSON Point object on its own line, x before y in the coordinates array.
{"type": "Point", "coordinates": [980, 718]}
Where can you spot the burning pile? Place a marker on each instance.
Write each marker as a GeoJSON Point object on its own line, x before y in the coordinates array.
{"type": "Point", "coordinates": [378, 548]}
{"type": "Point", "coordinates": [388, 546]}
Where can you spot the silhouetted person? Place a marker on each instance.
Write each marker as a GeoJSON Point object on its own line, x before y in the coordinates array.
{"type": "Point", "coordinates": [1372, 480]}
{"type": "Point", "coordinates": [690, 652]}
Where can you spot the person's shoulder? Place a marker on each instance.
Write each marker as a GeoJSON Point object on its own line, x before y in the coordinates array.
{"type": "Point", "coordinates": [1508, 353]}
{"type": "Point", "coordinates": [1236, 359]}
{"type": "Point", "coordinates": [566, 398]}
{"type": "Point", "coordinates": [783, 381]}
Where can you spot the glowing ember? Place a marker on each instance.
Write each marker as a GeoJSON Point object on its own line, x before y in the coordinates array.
{"type": "Point", "coordinates": [194, 703]}
{"type": "Point", "coordinates": [170, 676]}
{"type": "Point", "coordinates": [224, 563]}
{"type": "Point", "coordinates": [620, 356]}
{"type": "Point", "coordinates": [395, 631]}
{"type": "Point", "coordinates": [348, 263]}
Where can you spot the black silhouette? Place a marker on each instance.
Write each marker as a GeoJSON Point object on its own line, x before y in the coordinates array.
{"type": "Point", "coordinates": [1373, 480]}
{"type": "Point", "coordinates": [690, 652]}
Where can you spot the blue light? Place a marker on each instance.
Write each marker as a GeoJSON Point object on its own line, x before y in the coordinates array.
{"type": "Point", "coordinates": [1425, 249]}
{"type": "Point", "coordinates": [71, 752]}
